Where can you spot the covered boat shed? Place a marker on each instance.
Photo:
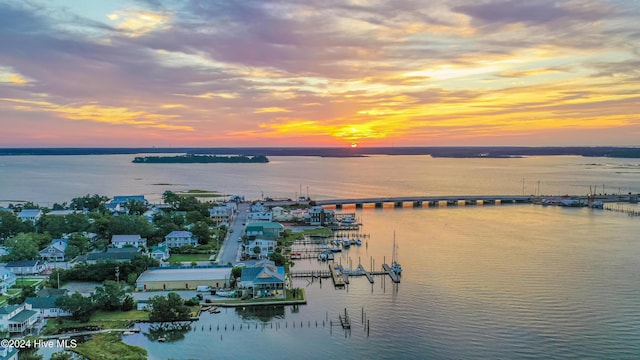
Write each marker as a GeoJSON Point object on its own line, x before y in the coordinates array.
{"type": "Point", "coordinates": [172, 278]}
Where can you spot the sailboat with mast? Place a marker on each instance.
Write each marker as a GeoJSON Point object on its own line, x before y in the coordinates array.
{"type": "Point", "coordinates": [395, 266]}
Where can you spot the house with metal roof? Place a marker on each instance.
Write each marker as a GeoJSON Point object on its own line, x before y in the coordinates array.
{"type": "Point", "coordinates": [25, 267]}
{"type": "Point", "coordinates": [265, 229]}
{"type": "Point", "coordinates": [54, 251]}
{"type": "Point", "coordinates": [160, 252]}
{"type": "Point", "coordinates": [19, 319]}
{"type": "Point", "coordinates": [263, 281]}
{"type": "Point", "coordinates": [172, 278]}
{"type": "Point", "coordinates": [112, 254]}
{"type": "Point", "coordinates": [30, 215]}
{"type": "Point", "coordinates": [121, 241]}
{"type": "Point", "coordinates": [180, 238]}
{"type": "Point", "coordinates": [46, 306]}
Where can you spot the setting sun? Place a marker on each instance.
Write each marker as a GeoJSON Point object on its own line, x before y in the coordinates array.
{"type": "Point", "coordinates": [354, 145]}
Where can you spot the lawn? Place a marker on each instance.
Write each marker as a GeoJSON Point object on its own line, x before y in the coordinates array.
{"type": "Point", "coordinates": [100, 320]}
{"type": "Point", "coordinates": [109, 346]}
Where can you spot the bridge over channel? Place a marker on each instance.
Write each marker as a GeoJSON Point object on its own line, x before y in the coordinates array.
{"type": "Point", "coordinates": [420, 201]}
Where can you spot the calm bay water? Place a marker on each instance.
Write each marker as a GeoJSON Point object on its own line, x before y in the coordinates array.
{"type": "Point", "coordinates": [500, 282]}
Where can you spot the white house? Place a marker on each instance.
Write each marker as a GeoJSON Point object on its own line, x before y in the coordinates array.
{"type": "Point", "coordinates": [55, 251]}
{"type": "Point", "coordinates": [30, 215]}
{"type": "Point", "coordinates": [266, 246]}
{"type": "Point", "coordinates": [19, 319]}
{"type": "Point", "coordinates": [121, 241]}
{"type": "Point", "coordinates": [7, 280]}
{"type": "Point", "coordinates": [46, 306]}
{"type": "Point", "coordinates": [25, 267]}
{"type": "Point", "coordinates": [260, 216]}
{"type": "Point", "coordinates": [160, 252]}
{"type": "Point", "coordinates": [180, 238]}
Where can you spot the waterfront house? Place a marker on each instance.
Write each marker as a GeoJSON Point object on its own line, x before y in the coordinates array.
{"type": "Point", "coordinates": [7, 279]}
{"type": "Point", "coordinates": [264, 281]}
{"type": "Point", "coordinates": [46, 306]}
{"type": "Point", "coordinates": [30, 215]}
{"type": "Point", "coordinates": [25, 267]}
{"type": "Point", "coordinates": [266, 246]}
{"type": "Point", "coordinates": [320, 216]}
{"type": "Point", "coordinates": [223, 213]}
{"type": "Point", "coordinates": [18, 319]}
{"type": "Point", "coordinates": [118, 204]}
{"type": "Point", "coordinates": [160, 252]}
{"type": "Point", "coordinates": [8, 353]}
{"type": "Point", "coordinates": [258, 207]}
{"type": "Point", "coordinates": [54, 251]}
{"type": "Point", "coordinates": [180, 238]}
{"type": "Point", "coordinates": [260, 216]}
{"type": "Point", "coordinates": [112, 254]}
{"type": "Point", "coordinates": [121, 241]}
{"type": "Point", "coordinates": [264, 229]}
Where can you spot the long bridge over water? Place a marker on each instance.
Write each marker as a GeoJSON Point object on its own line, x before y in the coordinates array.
{"type": "Point", "coordinates": [420, 201]}
{"type": "Point", "coordinates": [450, 200]}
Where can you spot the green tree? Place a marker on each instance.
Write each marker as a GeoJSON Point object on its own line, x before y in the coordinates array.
{"type": "Point", "coordinates": [23, 246]}
{"type": "Point", "coordinates": [10, 225]}
{"type": "Point", "coordinates": [77, 244]}
{"type": "Point", "coordinates": [169, 308]}
{"type": "Point", "coordinates": [79, 306]}
{"type": "Point", "coordinates": [109, 297]}
{"type": "Point", "coordinates": [256, 250]}
{"type": "Point", "coordinates": [128, 303]}
{"type": "Point", "coordinates": [136, 207]}
{"type": "Point", "coordinates": [89, 202]}
{"type": "Point", "coordinates": [171, 198]}
{"type": "Point", "coordinates": [277, 258]}
{"type": "Point", "coordinates": [236, 272]}
{"type": "Point", "coordinates": [202, 232]}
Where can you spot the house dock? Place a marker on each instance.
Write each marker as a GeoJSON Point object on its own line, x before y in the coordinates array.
{"type": "Point", "coordinates": [337, 275]}
{"type": "Point", "coordinates": [394, 277]}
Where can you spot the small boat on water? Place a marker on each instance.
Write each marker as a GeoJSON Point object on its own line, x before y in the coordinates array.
{"type": "Point", "coordinates": [395, 266]}
{"type": "Point", "coordinates": [358, 242]}
{"type": "Point", "coordinates": [346, 242]}
{"type": "Point", "coordinates": [162, 339]}
{"type": "Point", "coordinates": [226, 293]}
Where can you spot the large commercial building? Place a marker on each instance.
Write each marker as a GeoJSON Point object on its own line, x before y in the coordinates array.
{"type": "Point", "coordinates": [183, 278]}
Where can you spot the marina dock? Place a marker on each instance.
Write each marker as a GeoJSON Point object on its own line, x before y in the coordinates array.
{"type": "Point", "coordinates": [394, 277]}
{"type": "Point", "coordinates": [337, 275]}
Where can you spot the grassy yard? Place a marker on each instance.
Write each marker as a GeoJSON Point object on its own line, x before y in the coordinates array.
{"type": "Point", "coordinates": [28, 282]}
{"type": "Point", "coordinates": [188, 257]}
{"type": "Point", "coordinates": [109, 346]}
{"type": "Point", "coordinates": [100, 320]}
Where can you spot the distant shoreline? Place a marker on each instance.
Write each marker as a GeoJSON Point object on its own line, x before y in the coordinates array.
{"type": "Point", "coordinates": [447, 152]}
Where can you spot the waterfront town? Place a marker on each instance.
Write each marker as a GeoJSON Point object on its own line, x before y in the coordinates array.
{"type": "Point", "coordinates": [136, 256]}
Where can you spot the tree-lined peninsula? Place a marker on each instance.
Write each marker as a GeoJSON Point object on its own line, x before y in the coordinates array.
{"type": "Point", "coordinates": [200, 159]}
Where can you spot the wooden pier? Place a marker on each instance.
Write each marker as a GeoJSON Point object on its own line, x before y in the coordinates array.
{"type": "Point", "coordinates": [337, 275]}
{"type": "Point", "coordinates": [360, 269]}
{"type": "Point", "coordinates": [311, 273]}
{"type": "Point", "coordinates": [345, 321]}
{"type": "Point", "coordinates": [394, 277]}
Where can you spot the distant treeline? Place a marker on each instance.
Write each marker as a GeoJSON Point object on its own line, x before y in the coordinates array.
{"type": "Point", "coordinates": [435, 151]}
{"type": "Point", "coordinates": [200, 159]}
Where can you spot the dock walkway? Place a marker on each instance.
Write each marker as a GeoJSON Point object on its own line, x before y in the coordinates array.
{"type": "Point", "coordinates": [394, 277]}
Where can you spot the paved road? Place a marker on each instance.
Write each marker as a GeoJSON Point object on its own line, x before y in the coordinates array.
{"type": "Point", "coordinates": [229, 252]}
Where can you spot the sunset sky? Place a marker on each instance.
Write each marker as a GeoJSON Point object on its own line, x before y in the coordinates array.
{"type": "Point", "coordinates": [121, 73]}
